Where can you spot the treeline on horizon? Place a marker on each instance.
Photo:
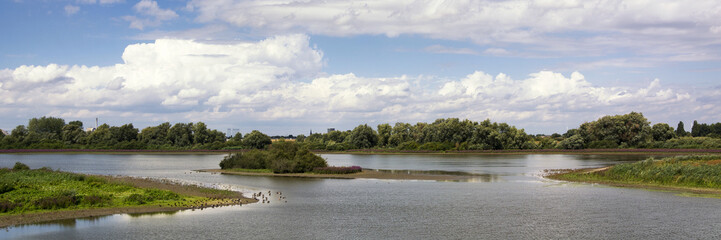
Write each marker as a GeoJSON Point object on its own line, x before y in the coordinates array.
{"type": "Point", "coordinates": [630, 130]}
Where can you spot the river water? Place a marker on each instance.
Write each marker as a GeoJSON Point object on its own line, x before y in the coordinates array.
{"type": "Point", "coordinates": [511, 200]}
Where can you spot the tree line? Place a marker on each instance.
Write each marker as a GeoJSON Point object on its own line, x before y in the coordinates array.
{"type": "Point", "coordinates": [630, 130]}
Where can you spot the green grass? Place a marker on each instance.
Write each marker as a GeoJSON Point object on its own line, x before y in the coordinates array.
{"type": "Point", "coordinates": [680, 171]}
{"type": "Point", "coordinates": [41, 190]}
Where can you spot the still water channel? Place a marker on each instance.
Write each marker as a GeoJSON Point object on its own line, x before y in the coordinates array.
{"type": "Point", "coordinates": [509, 199]}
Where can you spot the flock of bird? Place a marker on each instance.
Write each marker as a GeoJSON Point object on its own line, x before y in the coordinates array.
{"type": "Point", "coordinates": [266, 199]}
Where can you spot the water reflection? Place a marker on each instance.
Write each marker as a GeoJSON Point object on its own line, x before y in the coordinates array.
{"type": "Point", "coordinates": [467, 177]}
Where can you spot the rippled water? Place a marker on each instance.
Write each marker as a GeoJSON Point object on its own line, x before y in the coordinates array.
{"type": "Point", "coordinates": [513, 202]}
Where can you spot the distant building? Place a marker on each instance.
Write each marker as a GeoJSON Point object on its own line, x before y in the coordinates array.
{"type": "Point", "coordinates": [330, 130]}
{"type": "Point", "coordinates": [5, 132]}
{"type": "Point", "coordinates": [90, 129]}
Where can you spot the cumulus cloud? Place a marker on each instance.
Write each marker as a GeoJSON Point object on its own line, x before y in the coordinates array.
{"type": "Point", "coordinates": [280, 79]}
{"type": "Point", "coordinates": [151, 15]}
{"type": "Point", "coordinates": [571, 27]}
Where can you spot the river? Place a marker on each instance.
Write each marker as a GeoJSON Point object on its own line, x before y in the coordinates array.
{"type": "Point", "coordinates": [511, 201]}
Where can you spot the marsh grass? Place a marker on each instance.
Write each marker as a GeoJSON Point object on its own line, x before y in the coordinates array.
{"type": "Point", "coordinates": [24, 191]}
{"type": "Point", "coordinates": [680, 171]}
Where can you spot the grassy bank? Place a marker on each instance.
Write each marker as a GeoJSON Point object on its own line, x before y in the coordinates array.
{"type": "Point", "coordinates": [692, 173]}
{"type": "Point", "coordinates": [28, 196]}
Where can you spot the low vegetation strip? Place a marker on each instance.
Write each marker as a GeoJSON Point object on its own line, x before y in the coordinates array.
{"type": "Point", "coordinates": [33, 195]}
{"type": "Point", "coordinates": [682, 172]}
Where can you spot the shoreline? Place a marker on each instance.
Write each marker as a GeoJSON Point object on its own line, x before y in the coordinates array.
{"type": "Point", "coordinates": [558, 174]}
{"type": "Point", "coordinates": [364, 174]}
{"type": "Point", "coordinates": [215, 199]}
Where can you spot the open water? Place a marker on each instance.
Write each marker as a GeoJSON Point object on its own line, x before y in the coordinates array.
{"type": "Point", "coordinates": [511, 200]}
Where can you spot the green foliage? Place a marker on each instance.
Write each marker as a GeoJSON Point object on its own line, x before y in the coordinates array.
{"type": "Point", "coordinates": [44, 189]}
{"type": "Point", "coordinates": [281, 157]}
{"type": "Point", "coordinates": [573, 142]}
{"type": "Point", "coordinates": [408, 145]}
{"type": "Point", "coordinates": [693, 171]}
{"type": "Point", "coordinates": [692, 143]}
{"type": "Point", "coordinates": [20, 166]}
{"type": "Point", "coordinates": [256, 139]}
{"type": "Point", "coordinates": [662, 132]}
{"type": "Point", "coordinates": [680, 131]}
{"type": "Point", "coordinates": [47, 127]}
{"type": "Point", "coordinates": [363, 136]}
{"type": "Point", "coordinates": [601, 144]}
{"type": "Point", "coordinates": [630, 129]}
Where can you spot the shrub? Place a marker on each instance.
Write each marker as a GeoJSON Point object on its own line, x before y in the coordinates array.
{"type": "Point", "coordinates": [136, 198]}
{"type": "Point", "coordinates": [7, 206]}
{"type": "Point", "coordinates": [409, 145]}
{"type": "Point", "coordinates": [602, 144]}
{"type": "Point", "coordinates": [20, 166]}
{"type": "Point", "coordinates": [62, 200]}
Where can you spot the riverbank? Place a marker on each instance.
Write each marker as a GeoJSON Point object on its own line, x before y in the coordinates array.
{"type": "Point", "coordinates": [365, 173]}
{"type": "Point", "coordinates": [688, 174]}
{"type": "Point", "coordinates": [96, 195]}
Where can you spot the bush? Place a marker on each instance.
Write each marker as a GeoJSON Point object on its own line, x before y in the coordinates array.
{"type": "Point", "coordinates": [409, 145]}
{"type": "Point", "coordinates": [281, 157]}
{"type": "Point", "coordinates": [20, 166]}
{"type": "Point", "coordinates": [61, 200]}
{"type": "Point", "coordinates": [437, 146]}
{"type": "Point", "coordinates": [602, 144]}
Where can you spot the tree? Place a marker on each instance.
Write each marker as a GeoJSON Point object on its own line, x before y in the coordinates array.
{"type": "Point", "coordinates": [47, 127]}
{"type": "Point", "coordinates": [384, 134]}
{"type": "Point", "coordinates": [630, 129]}
{"type": "Point", "coordinates": [101, 137]}
{"type": "Point", "coordinates": [181, 134]}
{"type": "Point", "coordinates": [696, 129]}
{"type": "Point", "coordinates": [19, 132]}
{"type": "Point", "coordinates": [125, 133]}
{"type": "Point", "coordinates": [155, 136]}
{"type": "Point", "coordinates": [662, 132]}
{"type": "Point", "coordinates": [73, 132]}
{"type": "Point", "coordinates": [256, 139]}
{"type": "Point", "coordinates": [363, 136]}
{"type": "Point", "coordinates": [680, 132]}
{"type": "Point", "coordinates": [201, 134]}
{"type": "Point", "coordinates": [400, 133]}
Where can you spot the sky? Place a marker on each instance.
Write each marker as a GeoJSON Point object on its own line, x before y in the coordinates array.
{"type": "Point", "coordinates": [288, 67]}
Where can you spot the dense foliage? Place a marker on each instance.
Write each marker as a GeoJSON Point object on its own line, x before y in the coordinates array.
{"type": "Point", "coordinates": [25, 190]}
{"type": "Point", "coordinates": [53, 133]}
{"type": "Point", "coordinates": [281, 157]}
{"type": "Point", "coordinates": [630, 130]}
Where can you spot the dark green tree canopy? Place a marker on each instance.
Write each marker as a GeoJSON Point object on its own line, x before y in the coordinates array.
{"type": "Point", "coordinates": [47, 127]}
{"type": "Point", "coordinates": [363, 136]}
{"type": "Point", "coordinates": [256, 139]}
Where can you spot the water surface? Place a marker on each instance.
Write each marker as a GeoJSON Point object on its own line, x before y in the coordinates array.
{"type": "Point", "coordinates": [516, 202]}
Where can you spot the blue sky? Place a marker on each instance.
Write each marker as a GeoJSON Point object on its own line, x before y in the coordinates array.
{"type": "Point", "coordinates": [285, 67]}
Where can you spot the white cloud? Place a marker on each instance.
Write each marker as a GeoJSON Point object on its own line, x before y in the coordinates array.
{"type": "Point", "coordinates": [280, 80]}
{"type": "Point", "coordinates": [571, 27]}
{"type": "Point", "coordinates": [70, 9]}
{"type": "Point", "coordinates": [152, 14]}
{"type": "Point", "coordinates": [449, 50]}
{"type": "Point", "coordinates": [100, 1]}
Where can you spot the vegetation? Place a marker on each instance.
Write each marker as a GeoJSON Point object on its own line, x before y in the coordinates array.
{"type": "Point", "coordinates": [680, 171]}
{"type": "Point", "coordinates": [23, 190]}
{"type": "Point", "coordinates": [630, 130]}
{"type": "Point", "coordinates": [281, 157]}
{"type": "Point", "coordinates": [337, 170]}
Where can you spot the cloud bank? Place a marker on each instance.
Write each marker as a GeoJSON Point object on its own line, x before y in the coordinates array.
{"type": "Point", "coordinates": [280, 80]}
{"type": "Point", "coordinates": [669, 29]}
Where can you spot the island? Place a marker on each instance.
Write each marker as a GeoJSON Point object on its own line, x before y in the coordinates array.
{"type": "Point", "coordinates": [696, 174]}
{"type": "Point", "coordinates": [41, 195]}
